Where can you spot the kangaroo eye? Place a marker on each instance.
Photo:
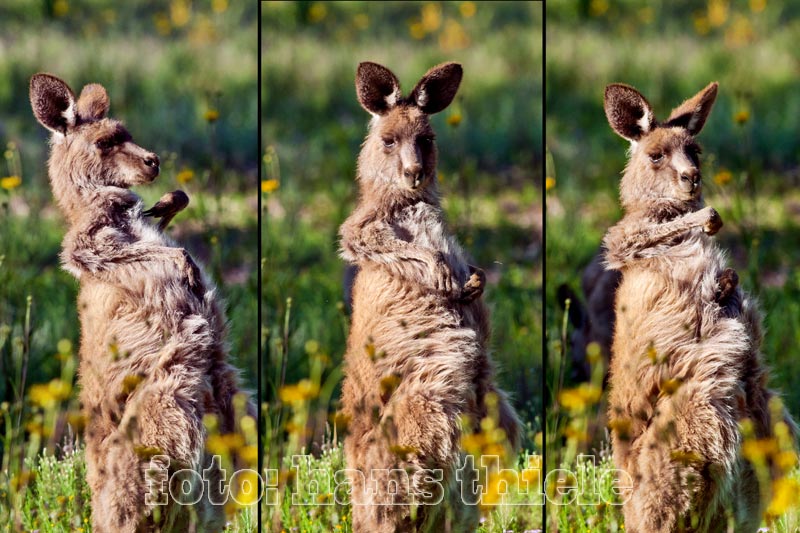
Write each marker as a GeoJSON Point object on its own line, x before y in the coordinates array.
{"type": "Point", "coordinates": [388, 143]}
{"type": "Point", "coordinates": [656, 158]}
{"type": "Point", "coordinates": [103, 144]}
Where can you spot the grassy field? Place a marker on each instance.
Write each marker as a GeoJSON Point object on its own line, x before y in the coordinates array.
{"type": "Point", "coordinates": [489, 166]}
{"type": "Point", "coordinates": [669, 51]}
{"type": "Point", "coordinates": [183, 77]}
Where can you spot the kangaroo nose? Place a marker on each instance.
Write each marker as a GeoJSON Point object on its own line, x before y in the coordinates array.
{"type": "Point", "coordinates": [691, 177]}
{"type": "Point", "coordinates": [151, 160]}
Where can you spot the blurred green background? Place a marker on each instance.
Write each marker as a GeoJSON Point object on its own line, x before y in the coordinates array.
{"type": "Point", "coordinates": [751, 142]}
{"type": "Point", "coordinates": [182, 75]}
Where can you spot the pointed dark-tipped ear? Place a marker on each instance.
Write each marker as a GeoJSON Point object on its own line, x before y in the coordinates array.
{"type": "Point", "coordinates": [93, 102]}
{"type": "Point", "coordinates": [437, 88]}
{"type": "Point", "coordinates": [377, 88]}
{"type": "Point", "coordinates": [692, 114]}
{"type": "Point", "coordinates": [628, 112]}
{"type": "Point", "coordinates": [53, 103]}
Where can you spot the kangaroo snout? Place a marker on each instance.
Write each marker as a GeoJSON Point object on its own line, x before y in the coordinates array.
{"type": "Point", "coordinates": [690, 180]}
{"type": "Point", "coordinates": [413, 176]}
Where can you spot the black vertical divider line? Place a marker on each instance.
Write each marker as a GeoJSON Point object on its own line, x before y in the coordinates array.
{"type": "Point", "coordinates": [259, 446]}
{"type": "Point", "coordinates": [543, 474]}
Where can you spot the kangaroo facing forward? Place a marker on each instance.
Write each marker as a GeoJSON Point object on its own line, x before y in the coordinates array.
{"type": "Point", "coordinates": [153, 360]}
{"type": "Point", "coordinates": [417, 355]}
{"type": "Point", "coordinates": [686, 367]}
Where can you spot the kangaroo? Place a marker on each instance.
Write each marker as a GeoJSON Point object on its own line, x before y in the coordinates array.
{"type": "Point", "coordinates": [417, 355]}
{"type": "Point", "coordinates": [153, 359]}
{"type": "Point", "coordinates": [686, 367]}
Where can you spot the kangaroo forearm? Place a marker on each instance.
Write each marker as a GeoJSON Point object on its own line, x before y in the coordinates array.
{"type": "Point", "coordinates": [625, 243]}
{"type": "Point", "coordinates": [118, 265]}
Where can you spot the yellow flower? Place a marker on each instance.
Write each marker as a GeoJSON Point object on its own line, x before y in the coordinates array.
{"type": "Point", "coordinates": [757, 6]}
{"type": "Point", "coordinates": [670, 386]}
{"type": "Point", "coordinates": [598, 8]}
{"type": "Point", "coordinates": [756, 450]}
{"type": "Point", "coordinates": [785, 495]}
{"type": "Point", "coordinates": [717, 12]}
{"type": "Point", "coordinates": [10, 182]}
{"type": "Point", "coordinates": [212, 115]}
{"type": "Point", "coordinates": [417, 30]}
{"type": "Point", "coordinates": [302, 391]}
{"type": "Point", "coordinates": [722, 177]}
{"type": "Point", "coordinates": [219, 6]}
{"type": "Point", "coordinates": [431, 17]}
{"type": "Point", "coordinates": [224, 444]}
{"type": "Point", "coordinates": [580, 397]}
{"type": "Point", "coordinates": [185, 175]}
{"type": "Point", "coordinates": [60, 8]}
{"type": "Point", "coordinates": [249, 454]}
{"type": "Point", "coordinates": [622, 426]}
{"type": "Point", "coordinates": [467, 9]}
{"type": "Point", "coordinates": [317, 12]}
{"type": "Point", "coordinates": [549, 183]}
{"type": "Point", "coordinates": [270, 186]}
{"type": "Point", "coordinates": [741, 116]}
{"type": "Point", "coordinates": [247, 487]}
{"type": "Point", "coordinates": [361, 21]}
{"type": "Point", "coordinates": [454, 120]}
{"type": "Point", "coordinates": [686, 458]}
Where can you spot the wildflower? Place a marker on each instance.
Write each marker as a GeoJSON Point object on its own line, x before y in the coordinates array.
{"type": "Point", "coordinates": [361, 21]}
{"type": "Point", "coordinates": [741, 117]}
{"type": "Point", "coordinates": [219, 6]}
{"type": "Point", "coordinates": [317, 12]}
{"type": "Point", "coordinates": [549, 183]}
{"type": "Point", "coordinates": [717, 12]}
{"type": "Point", "coordinates": [622, 426]}
{"type": "Point", "coordinates": [685, 457]}
{"type": "Point", "coordinates": [10, 182]}
{"type": "Point", "coordinates": [130, 382]}
{"type": "Point", "coordinates": [312, 347]}
{"type": "Point", "coordinates": [757, 6]}
{"type": "Point", "coordinates": [270, 186]}
{"type": "Point", "coordinates": [580, 397]}
{"type": "Point", "coordinates": [211, 115]}
{"type": "Point", "coordinates": [757, 450]}
{"type": "Point", "coordinates": [670, 386]}
{"type": "Point", "coordinates": [302, 391]}
{"type": "Point", "coordinates": [388, 385]}
{"type": "Point", "coordinates": [467, 9]}
{"type": "Point", "coordinates": [416, 30]}
{"type": "Point", "coordinates": [224, 444]}
{"type": "Point", "coordinates": [64, 346]}
{"type": "Point", "coordinates": [185, 176]}
{"type": "Point", "coordinates": [60, 8]}
{"type": "Point", "coordinates": [180, 12]}
{"type": "Point", "coordinates": [249, 454]}
{"type": "Point", "coordinates": [598, 8]}
{"type": "Point", "coordinates": [454, 120]}
{"type": "Point", "coordinates": [722, 177]}
{"type": "Point", "coordinates": [247, 487]}
{"type": "Point", "coordinates": [784, 496]}
{"type": "Point", "coordinates": [431, 17]}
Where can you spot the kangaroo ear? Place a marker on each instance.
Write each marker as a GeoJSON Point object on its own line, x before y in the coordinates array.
{"type": "Point", "coordinates": [377, 88]}
{"type": "Point", "coordinates": [93, 102]}
{"type": "Point", "coordinates": [437, 88]}
{"type": "Point", "coordinates": [628, 112]}
{"type": "Point", "coordinates": [53, 103]}
{"type": "Point", "coordinates": [692, 114]}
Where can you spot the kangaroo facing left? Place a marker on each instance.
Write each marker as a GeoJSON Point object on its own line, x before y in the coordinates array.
{"type": "Point", "coordinates": [153, 358]}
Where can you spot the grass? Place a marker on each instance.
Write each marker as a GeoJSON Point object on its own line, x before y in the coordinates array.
{"type": "Point", "coordinates": [669, 51]}
{"type": "Point", "coordinates": [180, 95]}
{"type": "Point", "coordinates": [489, 159]}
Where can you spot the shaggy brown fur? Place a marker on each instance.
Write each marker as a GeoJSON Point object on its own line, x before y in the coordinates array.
{"type": "Point", "coordinates": [153, 358]}
{"type": "Point", "coordinates": [417, 356]}
{"type": "Point", "coordinates": [686, 367]}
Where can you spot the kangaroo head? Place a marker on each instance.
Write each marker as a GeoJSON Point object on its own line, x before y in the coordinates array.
{"type": "Point", "coordinates": [88, 150]}
{"type": "Point", "coordinates": [663, 171]}
{"type": "Point", "coordinates": [399, 153]}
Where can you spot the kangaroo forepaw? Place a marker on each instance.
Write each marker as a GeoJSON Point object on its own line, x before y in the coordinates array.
{"type": "Point", "coordinates": [713, 221]}
{"type": "Point", "coordinates": [726, 285]}
{"type": "Point", "coordinates": [474, 286]}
